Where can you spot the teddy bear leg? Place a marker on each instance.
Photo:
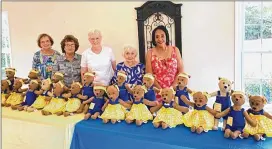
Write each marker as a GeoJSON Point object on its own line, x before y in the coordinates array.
{"type": "Point", "coordinates": [14, 107]}
{"type": "Point", "coordinates": [20, 108]}
{"type": "Point", "coordinates": [30, 109]}
{"type": "Point", "coordinates": [157, 124]}
{"type": "Point", "coordinates": [235, 134]}
{"type": "Point", "coordinates": [224, 124]}
{"type": "Point", "coordinates": [199, 130]}
{"type": "Point", "coordinates": [245, 135]}
{"type": "Point", "coordinates": [215, 126]}
{"type": "Point", "coordinates": [46, 113]}
{"type": "Point", "coordinates": [129, 121]}
{"type": "Point", "coordinates": [65, 114]}
{"type": "Point", "coordinates": [193, 129]}
{"type": "Point", "coordinates": [2, 104]}
{"type": "Point", "coordinates": [7, 104]}
{"type": "Point", "coordinates": [86, 108]}
{"type": "Point", "coordinates": [227, 133]}
{"type": "Point", "coordinates": [59, 113]}
{"type": "Point", "coordinates": [257, 137]}
{"type": "Point", "coordinates": [96, 114]}
{"type": "Point", "coordinates": [87, 116]}
{"type": "Point", "coordinates": [113, 121]}
{"type": "Point", "coordinates": [164, 125]}
{"type": "Point", "coordinates": [80, 109]}
{"type": "Point", "coordinates": [105, 121]}
{"type": "Point", "coordinates": [139, 122]}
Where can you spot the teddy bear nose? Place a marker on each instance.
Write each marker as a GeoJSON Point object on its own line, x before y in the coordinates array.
{"type": "Point", "coordinates": [236, 99]}
{"type": "Point", "coordinates": [254, 108]}
{"type": "Point", "coordinates": [225, 87]}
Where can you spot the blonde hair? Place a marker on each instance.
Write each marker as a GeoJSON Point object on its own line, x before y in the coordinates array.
{"type": "Point", "coordinates": [129, 47]}
{"type": "Point", "coordinates": [95, 31]}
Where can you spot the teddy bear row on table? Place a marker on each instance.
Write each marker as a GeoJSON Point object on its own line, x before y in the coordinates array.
{"type": "Point", "coordinates": [137, 103]}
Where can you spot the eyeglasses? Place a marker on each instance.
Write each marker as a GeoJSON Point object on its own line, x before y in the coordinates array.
{"type": "Point", "coordinates": [69, 45]}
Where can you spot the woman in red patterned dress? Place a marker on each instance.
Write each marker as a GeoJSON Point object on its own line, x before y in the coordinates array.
{"type": "Point", "coordinates": [163, 61]}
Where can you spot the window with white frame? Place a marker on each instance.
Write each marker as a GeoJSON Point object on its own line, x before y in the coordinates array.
{"type": "Point", "coordinates": [254, 47]}
{"type": "Point", "coordinates": [6, 49]}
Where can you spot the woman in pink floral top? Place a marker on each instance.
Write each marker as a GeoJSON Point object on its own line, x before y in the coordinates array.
{"type": "Point", "coordinates": [164, 61]}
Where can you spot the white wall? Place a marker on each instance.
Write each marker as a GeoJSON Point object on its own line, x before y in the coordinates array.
{"type": "Point", "coordinates": [207, 32]}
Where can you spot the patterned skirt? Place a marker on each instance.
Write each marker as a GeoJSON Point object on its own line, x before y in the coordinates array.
{"type": "Point", "coordinates": [139, 112]}
{"type": "Point", "coordinates": [116, 111]}
{"type": "Point", "coordinates": [264, 126]}
{"type": "Point", "coordinates": [40, 102]}
{"type": "Point", "coordinates": [15, 98]}
{"type": "Point", "coordinates": [72, 105]}
{"type": "Point", "coordinates": [199, 118]}
{"type": "Point", "coordinates": [55, 105]}
{"type": "Point", "coordinates": [170, 116]}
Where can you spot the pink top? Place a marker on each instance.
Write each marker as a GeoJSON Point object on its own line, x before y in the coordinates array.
{"type": "Point", "coordinates": [165, 70]}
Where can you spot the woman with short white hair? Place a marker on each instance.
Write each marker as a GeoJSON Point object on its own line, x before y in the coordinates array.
{"type": "Point", "coordinates": [134, 69]}
{"type": "Point", "coordinates": [99, 59]}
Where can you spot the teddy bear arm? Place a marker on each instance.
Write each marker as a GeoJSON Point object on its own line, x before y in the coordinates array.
{"type": "Point", "coordinates": [213, 94]}
{"type": "Point", "coordinates": [267, 115]}
{"type": "Point", "coordinates": [82, 97]}
{"type": "Point", "coordinates": [250, 120]}
{"type": "Point", "coordinates": [189, 91]}
{"type": "Point", "coordinates": [128, 106]}
{"type": "Point", "coordinates": [156, 90]}
{"type": "Point", "coordinates": [22, 90]}
{"type": "Point", "coordinates": [129, 89]}
{"type": "Point", "coordinates": [88, 100]}
{"type": "Point", "coordinates": [105, 105]}
{"type": "Point", "coordinates": [149, 103]}
{"type": "Point", "coordinates": [50, 94]}
{"type": "Point", "coordinates": [186, 101]}
{"type": "Point", "coordinates": [180, 108]}
{"type": "Point", "coordinates": [67, 95]}
{"type": "Point", "coordinates": [210, 110]}
{"type": "Point", "coordinates": [39, 92]}
{"type": "Point", "coordinates": [223, 113]}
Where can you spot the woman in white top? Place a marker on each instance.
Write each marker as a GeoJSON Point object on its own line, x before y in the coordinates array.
{"type": "Point", "coordinates": [99, 59]}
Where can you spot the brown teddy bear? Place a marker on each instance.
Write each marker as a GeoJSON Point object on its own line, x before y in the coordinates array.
{"type": "Point", "coordinates": [5, 91]}
{"type": "Point", "coordinates": [73, 103]}
{"type": "Point", "coordinates": [96, 102]}
{"type": "Point", "coordinates": [87, 91]}
{"type": "Point", "coordinates": [150, 94]}
{"type": "Point", "coordinates": [169, 114]}
{"type": "Point", "coordinates": [10, 74]}
{"type": "Point", "coordinates": [120, 82]}
{"type": "Point", "coordinates": [182, 89]}
{"type": "Point", "coordinates": [30, 97]}
{"type": "Point", "coordinates": [201, 118]}
{"type": "Point", "coordinates": [236, 116]}
{"type": "Point", "coordinates": [43, 98]}
{"type": "Point", "coordinates": [57, 76]}
{"type": "Point", "coordinates": [222, 101]}
{"type": "Point", "coordinates": [263, 119]}
{"type": "Point", "coordinates": [17, 95]}
{"type": "Point", "coordinates": [33, 75]}
{"type": "Point", "coordinates": [139, 111]}
{"type": "Point", "coordinates": [57, 103]}
{"type": "Point", "coordinates": [115, 107]}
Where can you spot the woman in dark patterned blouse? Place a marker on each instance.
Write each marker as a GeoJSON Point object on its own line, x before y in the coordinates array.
{"type": "Point", "coordinates": [134, 69]}
{"type": "Point", "coordinates": [44, 59]}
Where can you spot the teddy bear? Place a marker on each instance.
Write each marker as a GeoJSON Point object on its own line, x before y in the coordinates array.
{"type": "Point", "coordinates": [73, 103]}
{"type": "Point", "coordinates": [30, 97]}
{"type": "Point", "coordinates": [263, 119]}
{"type": "Point", "coordinates": [169, 114]}
{"type": "Point", "coordinates": [115, 107]}
{"type": "Point", "coordinates": [57, 103]}
{"type": "Point", "coordinates": [33, 75]}
{"type": "Point", "coordinates": [182, 89]}
{"type": "Point", "coordinates": [236, 116]}
{"type": "Point", "coordinates": [222, 101]}
{"type": "Point", "coordinates": [201, 118]}
{"type": "Point", "coordinates": [5, 91]}
{"type": "Point", "coordinates": [120, 82]}
{"type": "Point", "coordinates": [87, 91]}
{"type": "Point", "coordinates": [58, 76]}
{"type": "Point", "coordinates": [150, 94]}
{"type": "Point", "coordinates": [17, 94]}
{"type": "Point", "coordinates": [43, 97]}
{"type": "Point", "coordinates": [96, 102]}
{"type": "Point", "coordinates": [139, 111]}
{"type": "Point", "coordinates": [10, 74]}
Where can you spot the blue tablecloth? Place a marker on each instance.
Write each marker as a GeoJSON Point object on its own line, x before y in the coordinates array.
{"type": "Point", "coordinates": [93, 134]}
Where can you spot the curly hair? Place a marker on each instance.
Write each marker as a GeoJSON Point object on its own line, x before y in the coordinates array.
{"type": "Point", "coordinates": [69, 38]}
{"type": "Point", "coordinates": [44, 35]}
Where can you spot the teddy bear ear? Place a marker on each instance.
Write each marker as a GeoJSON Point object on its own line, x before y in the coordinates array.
{"type": "Point", "coordinates": [219, 78]}
{"type": "Point", "coordinates": [93, 73]}
{"type": "Point", "coordinates": [264, 99]}
{"type": "Point", "coordinates": [189, 76]}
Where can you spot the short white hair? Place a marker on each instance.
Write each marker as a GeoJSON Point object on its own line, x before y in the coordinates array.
{"type": "Point", "coordinates": [95, 31]}
{"type": "Point", "coordinates": [129, 47]}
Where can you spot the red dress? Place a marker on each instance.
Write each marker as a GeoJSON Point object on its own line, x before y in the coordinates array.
{"type": "Point", "coordinates": [165, 70]}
